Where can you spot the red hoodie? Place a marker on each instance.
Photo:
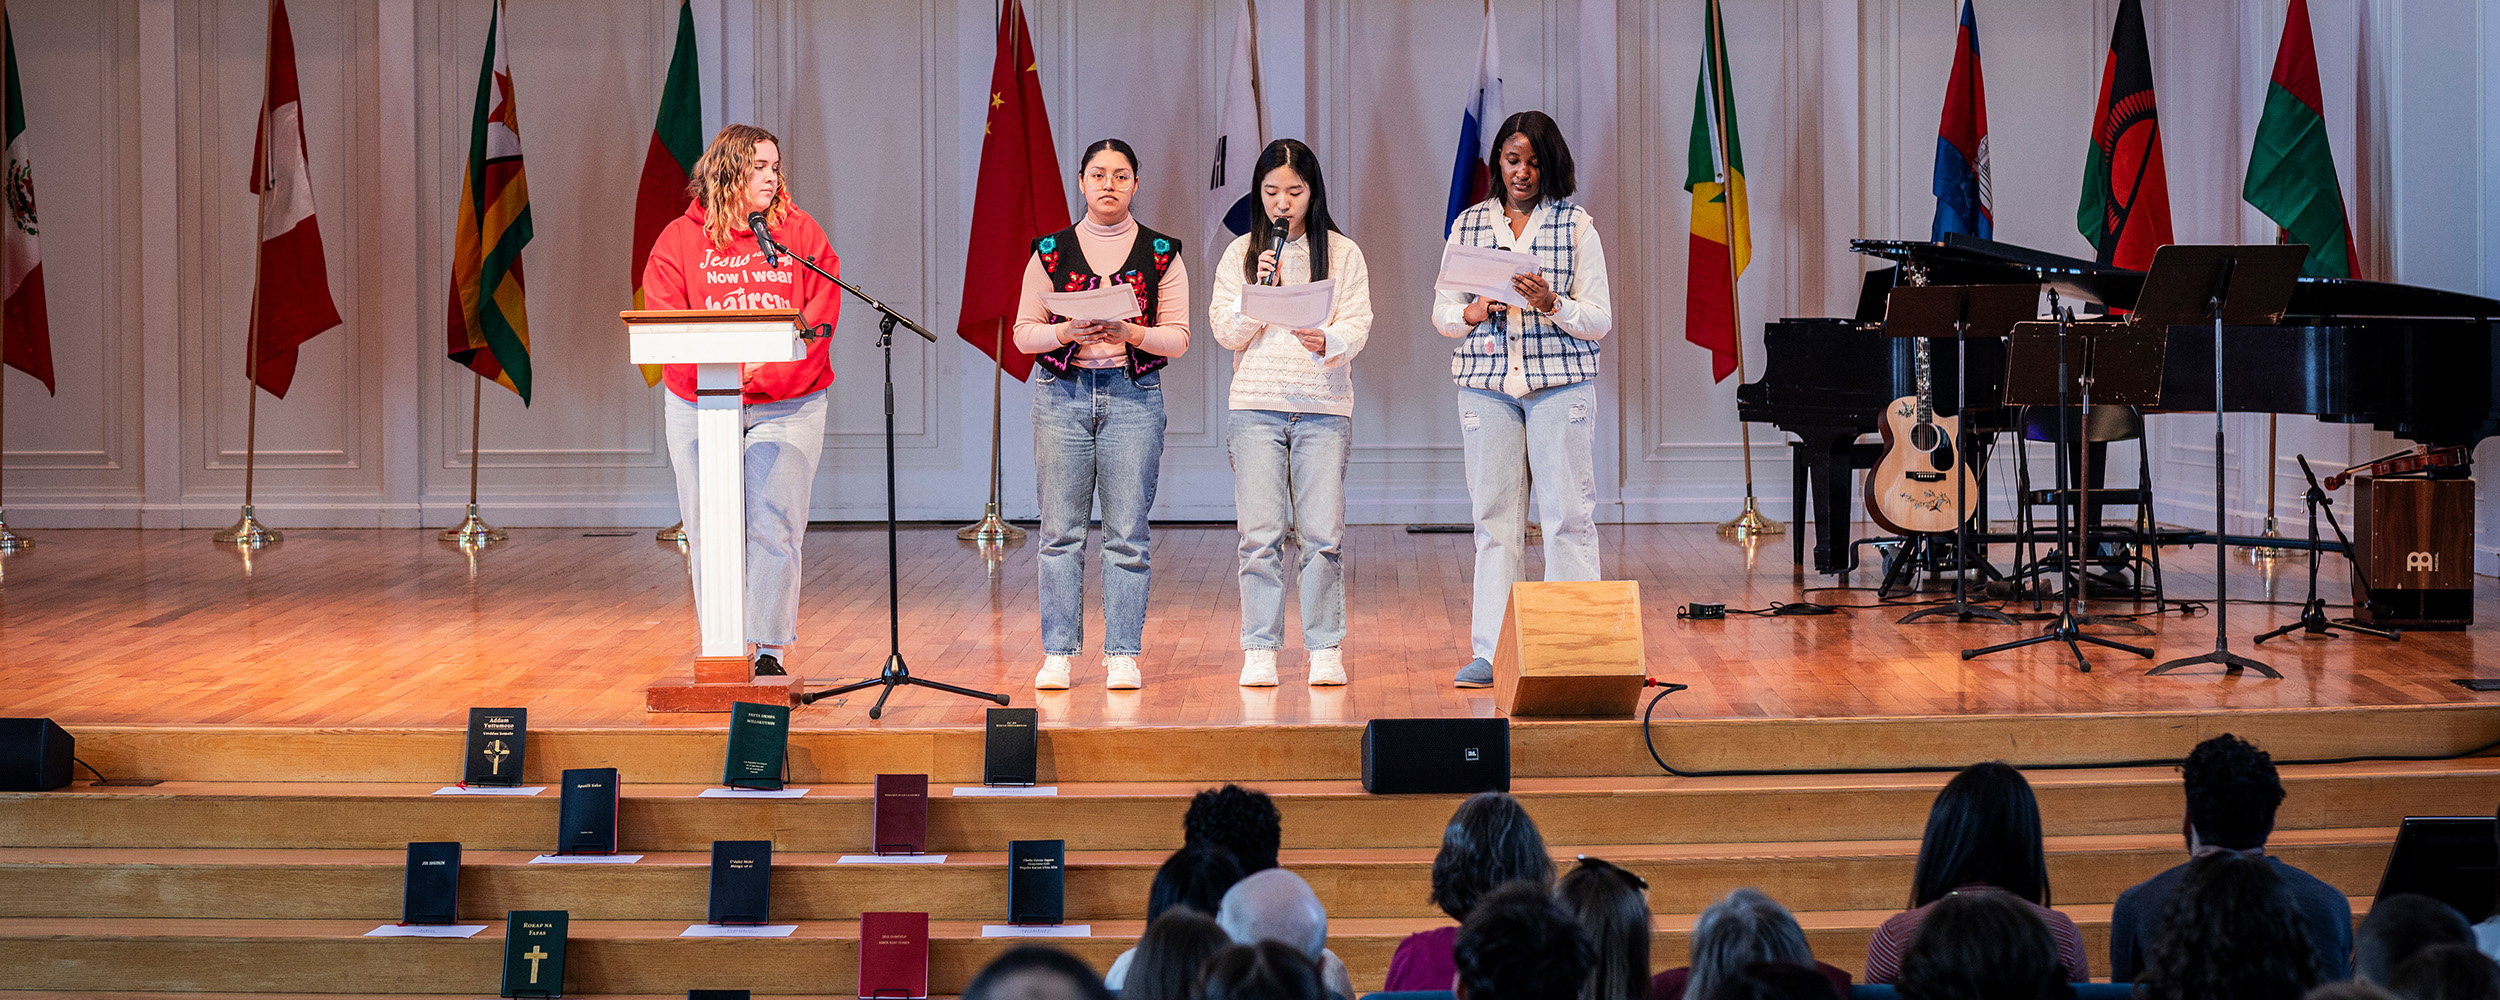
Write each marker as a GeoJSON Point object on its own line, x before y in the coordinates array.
{"type": "Point", "coordinates": [687, 272]}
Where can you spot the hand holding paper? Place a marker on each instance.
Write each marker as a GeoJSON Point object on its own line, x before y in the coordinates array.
{"type": "Point", "coordinates": [1484, 272]}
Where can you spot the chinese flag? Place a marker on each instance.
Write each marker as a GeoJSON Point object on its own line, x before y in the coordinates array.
{"type": "Point", "coordinates": [1019, 197]}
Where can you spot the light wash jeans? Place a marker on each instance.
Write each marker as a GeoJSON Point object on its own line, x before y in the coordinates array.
{"type": "Point", "coordinates": [1096, 432]}
{"type": "Point", "coordinates": [1553, 433]}
{"type": "Point", "coordinates": [783, 441]}
{"type": "Point", "coordinates": [1289, 468]}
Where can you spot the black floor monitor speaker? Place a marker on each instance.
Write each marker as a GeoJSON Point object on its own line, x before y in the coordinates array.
{"type": "Point", "coordinates": [34, 755]}
{"type": "Point", "coordinates": [1436, 756]}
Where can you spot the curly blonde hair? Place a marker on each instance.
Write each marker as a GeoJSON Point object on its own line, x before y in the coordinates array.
{"type": "Point", "coordinates": [719, 182]}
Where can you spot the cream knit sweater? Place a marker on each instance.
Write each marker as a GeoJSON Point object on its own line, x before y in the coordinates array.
{"type": "Point", "coordinates": [1271, 370]}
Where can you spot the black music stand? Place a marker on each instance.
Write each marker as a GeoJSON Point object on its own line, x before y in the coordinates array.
{"type": "Point", "coordinates": [1934, 312]}
{"type": "Point", "coordinates": [2223, 284]}
{"type": "Point", "coordinates": [2313, 618]}
{"type": "Point", "coordinates": [2045, 366]}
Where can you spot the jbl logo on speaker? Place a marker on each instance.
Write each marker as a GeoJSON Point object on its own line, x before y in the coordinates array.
{"type": "Point", "coordinates": [1474, 755]}
{"type": "Point", "coordinates": [2421, 562]}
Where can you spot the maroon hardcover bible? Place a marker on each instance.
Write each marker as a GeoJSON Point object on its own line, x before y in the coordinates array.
{"type": "Point", "coordinates": [893, 956]}
{"type": "Point", "coordinates": [901, 812]}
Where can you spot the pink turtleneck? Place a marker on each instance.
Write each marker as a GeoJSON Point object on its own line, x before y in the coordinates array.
{"type": "Point", "coordinates": [1106, 248]}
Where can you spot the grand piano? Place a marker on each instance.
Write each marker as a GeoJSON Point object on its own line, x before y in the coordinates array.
{"type": "Point", "coordinates": [2420, 363]}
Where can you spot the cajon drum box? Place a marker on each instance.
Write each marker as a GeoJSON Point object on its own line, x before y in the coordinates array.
{"type": "Point", "coordinates": [1570, 649]}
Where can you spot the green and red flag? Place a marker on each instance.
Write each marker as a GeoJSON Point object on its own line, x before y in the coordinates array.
{"type": "Point", "coordinates": [676, 142]}
{"type": "Point", "coordinates": [2291, 170]}
{"type": "Point", "coordinates": [2125, 210]}
{"type": "Point", "coordinates": [25, 332]}
{"type": "Point", "coordinates": [1722, 236]}
{"type": "Point", "coordinates": [489, 324]}
{"type": "Point", "coordinates": [1016, 199]}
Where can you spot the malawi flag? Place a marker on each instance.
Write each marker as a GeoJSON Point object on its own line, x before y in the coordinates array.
{"type": "Point", "coordinates": [489, 325]}
{"type": "Point", "coordinates": [2291, 172]}
{"type": "Point", "coordinates": [25, 334]}
{"type": "Point", "coordinates": [1722, 239]}
{"type": "Point", "coordinates": [1962, 202]}
{"type": "Point", "coordinates": [1471, 177]}
{"type": "Point", "coordinates": [2125, 210]}
{"type": "Point", "coordinates": [676, 142]}
{"type": "Point", "coordinates": [291, 303]}
{"type": "Point", "coordinates": [1017, 199]}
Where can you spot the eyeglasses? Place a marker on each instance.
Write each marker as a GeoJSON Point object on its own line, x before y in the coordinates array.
{"type": "Point", "coordinates": [1602, 864]}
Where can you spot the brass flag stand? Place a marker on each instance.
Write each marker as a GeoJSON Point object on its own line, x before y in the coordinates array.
{"type": "Point", "coordinates": [993, 530]}
{"type": "Point", "coordinates": [473, 531]}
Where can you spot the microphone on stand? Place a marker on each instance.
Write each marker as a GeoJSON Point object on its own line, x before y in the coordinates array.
{"type": "Point", "coordinates": [1276, 245]}
{"type": "Point", "coordinates": [764, 239]}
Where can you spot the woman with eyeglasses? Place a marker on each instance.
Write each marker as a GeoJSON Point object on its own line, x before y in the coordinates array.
{"type": "Point", "coordinates": [1611, 905]}
{"type": "Point", "coordinates": [1098, 412]}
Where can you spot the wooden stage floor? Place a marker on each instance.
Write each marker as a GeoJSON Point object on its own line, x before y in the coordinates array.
{"type": "Point", "coordinates": [392, 628]}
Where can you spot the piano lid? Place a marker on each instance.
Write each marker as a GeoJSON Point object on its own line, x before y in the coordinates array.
{"type": "Point", "coordinates": [1961, 259]}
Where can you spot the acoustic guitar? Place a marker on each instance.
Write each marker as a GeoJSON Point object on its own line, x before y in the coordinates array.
{"type": "Point", "coordinates": [1911, 489]}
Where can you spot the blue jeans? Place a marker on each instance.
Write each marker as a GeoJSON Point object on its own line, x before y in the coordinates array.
{"type": "Point", "coordinates": [1289, 468]}
{"type": "Point", "coordinates": [783, 442]}
{"type": "Point", "coordinates": [1096, 433]}
{"type": "Point", "coordinates": [1551, 432]}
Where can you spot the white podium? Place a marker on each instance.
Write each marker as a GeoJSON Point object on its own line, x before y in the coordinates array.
{"type": "Point", "coordinates": [717, 342]}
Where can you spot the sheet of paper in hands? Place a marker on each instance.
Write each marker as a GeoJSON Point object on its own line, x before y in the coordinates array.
{"type": "Point", "coordinates": [1293, 307]}
{"type": "Point", "coordinates": [1484, 272]}
{"type": "Point", "coordinates": [1107, 302]}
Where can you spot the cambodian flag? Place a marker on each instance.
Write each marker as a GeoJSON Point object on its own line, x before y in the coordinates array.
{"type": "Point", "coordinates": [1962, 202]}
{"type": "Point", "coordinates": [1471, 179]}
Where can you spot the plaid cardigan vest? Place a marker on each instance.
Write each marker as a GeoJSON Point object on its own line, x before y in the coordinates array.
{"type": "Point", "coordinates": [1551, 356]}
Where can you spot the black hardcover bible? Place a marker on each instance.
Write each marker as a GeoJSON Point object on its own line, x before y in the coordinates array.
{"type": "Point", "coordinates": [496, 739]}
{"type": "Point", "coordinates": [759, 740]}
{"type": "Point", "coordinates": [742, 882]}
{"type": "Point", "coordinates": [717, 995]}
{"type": "Point", "coordinates": [1037, 881]}
{"type": "Point", "coordinates": [586, 818]}
{"type": "Point", "coordinates": [433, 894]}
{"type": "Point", "coordinates": [1012, 747]}
{"type": "Point", "coordinates": [533, 953]}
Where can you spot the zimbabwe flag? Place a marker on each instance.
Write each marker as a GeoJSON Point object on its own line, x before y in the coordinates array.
{"type": "Point", "coordinates": [489, 324]}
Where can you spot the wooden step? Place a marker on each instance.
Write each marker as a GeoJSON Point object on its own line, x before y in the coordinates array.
{"type": "Point", "coordinates": [1146, 816]}
{"type": "Point", "coordinates": [1211, 754]}
{"type": "Point", "coordinates": [1101, 885]}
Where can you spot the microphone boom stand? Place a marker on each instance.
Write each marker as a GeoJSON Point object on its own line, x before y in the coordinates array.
{"type": "Point", "coordinates": [2313, 619]}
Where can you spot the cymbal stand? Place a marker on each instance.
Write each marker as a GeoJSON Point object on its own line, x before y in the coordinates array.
{"type": "Point", "coordinates": [2313, 619]}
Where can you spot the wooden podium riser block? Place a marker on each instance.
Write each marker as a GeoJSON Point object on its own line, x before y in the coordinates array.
{"type": "Point", "coordinates": [1539, 749]}
{"type": "Point", "coordinates": [700, 696]}
{"type": "Point", "coordinates": [1570, 649]}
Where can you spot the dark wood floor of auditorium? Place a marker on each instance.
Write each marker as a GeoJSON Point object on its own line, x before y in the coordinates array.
{"type": "Point", "coordinates": [392, 628]}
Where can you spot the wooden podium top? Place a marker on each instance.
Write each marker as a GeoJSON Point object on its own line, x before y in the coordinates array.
{"type": "Point", "coordinates": [638, 316]}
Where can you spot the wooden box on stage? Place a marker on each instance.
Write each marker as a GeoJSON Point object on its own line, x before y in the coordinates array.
{"type": "Point", "coordinates": [1570, 649]}
{"type": "Point", "coordinates": [2414, 540]}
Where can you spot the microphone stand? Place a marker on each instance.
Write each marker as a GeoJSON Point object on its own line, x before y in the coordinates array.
{"type": "Point", "coordinates": [896, 673]}
{"type": "Point", "coordinates": [2313, 618]}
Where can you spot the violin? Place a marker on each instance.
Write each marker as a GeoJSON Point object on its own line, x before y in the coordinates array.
{"type": "Point", "coordinates": [2420, 459]}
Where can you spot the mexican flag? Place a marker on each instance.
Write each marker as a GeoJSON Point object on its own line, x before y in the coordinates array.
{"type": "Point", "coordinates": [25, 335]}
{"type": "Point", "coordinates": [676, 142]}
{"type": "Point", "coordinates": [1722, 236]}
{"type": "Point", "coordinates": [2291, 172]}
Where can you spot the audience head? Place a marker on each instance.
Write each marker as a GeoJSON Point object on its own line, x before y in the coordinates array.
{"type": "Point", "coordinates": [1275, 905]}
{"type": "Point", "coordinates": [2232, 792]}
{"type": "Point", "coordinates": [1518, 944]}
{"type": "Point", "coordinates": [2446, 972]}
{"type": "Point", "coordinates": [1172, 956]}
{"type": "Point", "coordinates": [1033, 972]}
{"type": "Point", "coordinates": [1983, 829]}
{"type": "Point", "coordinates": [1743, 929]}
{"type": "Point", "coordinates": [2347, 989]}
{"type": "Point", "coordinates": [2230, 933]}
{"type": "Point", "coordinates": [1982, 946]}
{"type": "Point", "coordinates": [1770, 981]}
{"type": "Point", "coordinates": [2400, 926]}
{"type": "Point", "coordinates": [1241, 820]}
{"type": "Point", "coordinates": [1490, 840]}
{"type": "Point", "coordinates": [1612, 908]}
{"type": "Point", "coordinates": [1267, 970]}
{"type": "Point", "coordinates": [1196, 876]}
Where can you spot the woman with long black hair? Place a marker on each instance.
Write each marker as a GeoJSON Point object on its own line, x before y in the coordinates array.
{"type": "Point", "coordinates": [1983, 836]}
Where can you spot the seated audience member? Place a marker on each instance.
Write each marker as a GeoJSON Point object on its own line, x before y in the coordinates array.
{"type": "Point", "coordinates": [2347, 989]}
{"type": "Point", "coordinates": [2400, 926]}
{"type": "Point", "coordinates": [1983, 946]}
{"type": "Point", "coordinates": [1171, 957]}
{"type": "Point", "coordinates": [2446, 972]}
{"type": "Point", "coordinates": [1773, 981]}
{"type": "Point", "coordinates": [1196, 876]}
{"type": "Point", "coordinates": [1277, 905]}
{"type": "Point", "coordinates": [1241, 820]}
{"type": "Point", "coordinates": [1033, 972]}
{"type": "Point", "coordinates": [1490, 840]}
{"type": "Point", "coordinates": [1983, 835]}
{"type": "Point", "coordinates": [1268, 970]}
{"type": "Point", "coordinates": [2232, 792]}
{"type": "Point", "coordinates": [1743, 929]}
{"type": "Point", "coordinates": [1518, 944]}
{"type": "Point", "coordinates": [2230, 933]}
{"type": "Point", "coordinates": [1611, 906]}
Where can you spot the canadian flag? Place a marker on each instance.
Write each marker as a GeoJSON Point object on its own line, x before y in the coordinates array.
{"type": "Point", "coordinates": [291, 301]}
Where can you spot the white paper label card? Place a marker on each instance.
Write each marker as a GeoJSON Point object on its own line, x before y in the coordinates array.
{"type": "Point", "coordinates": [1294, 307]}
{"type": "Point", "coordinates": [426, 930]}
{"type": "Point", "coordinates": [1007, 791]}
{"type": "Point", "coordinates": [751, 793]}
{"type": "Point", "coordinates": [1484, 272]}
{"type": "Point", "coordinates": [585, 859]}
{"type": "Point", "coordinates": [1107, 302]}
{"type": "Point", "coordinates": [891, 859]}
{"type": "Point", "coordinates": [486, 790]}
{"type": "Point", "coordinates": [720, 931]}
{"type": "Point", "coordinates": [1037, 931]}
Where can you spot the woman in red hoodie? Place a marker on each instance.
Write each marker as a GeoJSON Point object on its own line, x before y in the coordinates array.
{"type": "Point", "coordinates": [708, 259]}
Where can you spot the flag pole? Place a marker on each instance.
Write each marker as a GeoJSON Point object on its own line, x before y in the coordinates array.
{"type": "Point", "coordinates": [993, 530]}
{"type": "Point", "coordinates": [1749, 522]}
{"type": "Point", "coordinates": [10, 541]}
{"type": "Point", "coordinates": [247, 532]}
{"type": "Point", "coordinates": [473, 531]}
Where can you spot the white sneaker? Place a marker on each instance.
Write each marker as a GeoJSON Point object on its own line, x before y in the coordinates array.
{"type": "Point", "coordinates": [1327, 667]}
{"type": "Point", "coordinates": [1122, 671]}
{"type": "Point", "coordinates": [1053, 675]}
{"type": "Point", "coordinates": [1258, 668]}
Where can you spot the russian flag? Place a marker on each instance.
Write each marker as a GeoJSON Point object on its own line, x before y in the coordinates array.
{"type": "Point", "coordinates": [1471, 178]}
{"type": "Point", "coordinates": [1962, 202]}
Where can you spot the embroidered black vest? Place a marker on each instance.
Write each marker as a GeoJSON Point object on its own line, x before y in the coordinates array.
{"type": "Point", "coordinates": [1148, 258]}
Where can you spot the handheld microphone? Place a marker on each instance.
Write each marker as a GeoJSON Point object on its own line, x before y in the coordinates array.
{"type": "Point", "coordinates": [764, 239]}
{"type": "Point", "coordinates": [1276, 245]}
